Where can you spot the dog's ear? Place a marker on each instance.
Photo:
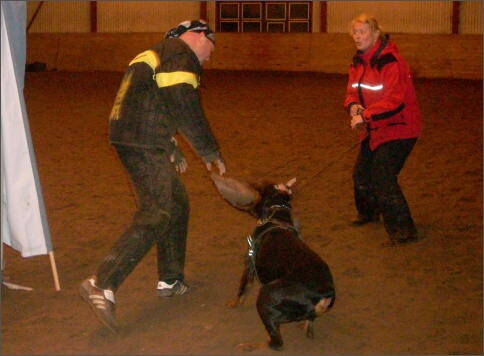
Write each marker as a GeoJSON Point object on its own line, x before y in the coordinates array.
{"type": "Point", "coordinates": [291, 182]}
{"type": "Point", "coordinates": [286, 187]}
{"type": "Point", "coordinates": [239, 194]}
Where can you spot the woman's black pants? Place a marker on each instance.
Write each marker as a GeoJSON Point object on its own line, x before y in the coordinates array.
{"type": "Point", "coordinates": [376, 188]}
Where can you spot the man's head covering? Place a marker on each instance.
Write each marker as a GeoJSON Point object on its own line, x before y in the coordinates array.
{"type": "Point", "coordinates": [191, 26]}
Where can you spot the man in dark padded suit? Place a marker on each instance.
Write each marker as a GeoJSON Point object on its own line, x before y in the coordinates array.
{"type": "Point", "coordinates": [157, 98]}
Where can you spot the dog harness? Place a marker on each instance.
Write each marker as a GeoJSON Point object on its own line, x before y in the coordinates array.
{"type": "Point", "coordinates": [264, 226]}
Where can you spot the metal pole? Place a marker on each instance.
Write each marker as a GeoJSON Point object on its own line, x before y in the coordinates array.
{"type": "Point", "coordinates": [35, 15]}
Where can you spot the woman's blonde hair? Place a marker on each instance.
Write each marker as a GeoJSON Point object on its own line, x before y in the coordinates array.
{"type": "Point", "coordinates": [370, 21]}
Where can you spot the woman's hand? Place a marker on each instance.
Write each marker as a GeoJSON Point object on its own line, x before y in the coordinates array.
{"type": "Point", "coordinates": [356, 109]}
{"type": "Point", "coordinates": [356, 121]}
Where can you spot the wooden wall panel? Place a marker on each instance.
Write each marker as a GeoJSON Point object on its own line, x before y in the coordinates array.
{"type": "Point", "coordinates": [431, 56]}
{"type": "Point", "coordinates": [144, 16]}
{"type": "Point", "coordinates": [425, 17]}
{"type": "Point", "coordinates": [470, 17]}
{"type": "Point", "coordinates": [59, 16]}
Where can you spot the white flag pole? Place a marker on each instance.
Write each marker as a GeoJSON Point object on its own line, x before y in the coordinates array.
{"type": "Point", "coordinates": [54, 270]}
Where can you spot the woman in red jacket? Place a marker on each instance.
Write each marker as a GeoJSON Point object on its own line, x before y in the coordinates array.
{"type": "Point", "coordinates": [381, 98]}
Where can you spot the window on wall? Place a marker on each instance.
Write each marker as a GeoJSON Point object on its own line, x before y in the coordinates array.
{"type": "Point", "coordinates": [264, 16]}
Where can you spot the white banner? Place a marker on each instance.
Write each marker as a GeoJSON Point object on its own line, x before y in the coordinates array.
{"type": "Point", "coordinates": [24, 226]}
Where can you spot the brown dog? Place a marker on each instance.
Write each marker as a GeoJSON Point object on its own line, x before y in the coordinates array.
{"type": "Point", "coordinates": [296, 284]}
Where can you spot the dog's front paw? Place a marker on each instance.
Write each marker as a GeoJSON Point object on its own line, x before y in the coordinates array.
{"type": "Point", "coordinates": [275, 345]}
{"type": "Point", "coordinates": [236, 302]}
{"type": "Point", "coordinates": [233, 303]}
{"type": "Point", "coordinates": [308, 329]}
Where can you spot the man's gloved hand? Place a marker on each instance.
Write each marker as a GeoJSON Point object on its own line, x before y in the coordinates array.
{"type": "Point", "coordinates": [215, 158]}
{"type": "Point", "coordinates": [177, 158]}
{"type": "Point", "coordinates": [220, 165]}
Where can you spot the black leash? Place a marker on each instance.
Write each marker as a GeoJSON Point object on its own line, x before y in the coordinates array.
{"type": "Point", "coordinates": [301, 186]}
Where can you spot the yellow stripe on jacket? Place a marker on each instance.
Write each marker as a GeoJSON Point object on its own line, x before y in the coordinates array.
{"type": "Point", "coordinates": [173, 78]}
{"type": "Point", "coordinates": [149, 57]}
{"type": "Point", "coordinates": [165, 79]}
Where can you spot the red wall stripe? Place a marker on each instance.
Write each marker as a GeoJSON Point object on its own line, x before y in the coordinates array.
{"type": "Point", "coordinates": [203, 10]}
{"type": "Point", "coordinates": [455, 17]}
{"type": "Point", "coordinates": [93, 16]}
{"type": "Point", "coordinates": [324, 16]}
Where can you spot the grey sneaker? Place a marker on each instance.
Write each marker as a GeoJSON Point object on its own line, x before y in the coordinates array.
{"type": "Point", "coordinates": [101, 302]}
{"type": "Point", "coordinates": [168, 290]}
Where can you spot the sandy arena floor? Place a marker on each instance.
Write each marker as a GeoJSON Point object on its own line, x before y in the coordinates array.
{"type": "Point", "coordinates": [425, 298]}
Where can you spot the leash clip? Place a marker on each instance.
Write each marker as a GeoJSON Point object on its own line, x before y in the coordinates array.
{"type": "Point", "coordinates": [251, 246]}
